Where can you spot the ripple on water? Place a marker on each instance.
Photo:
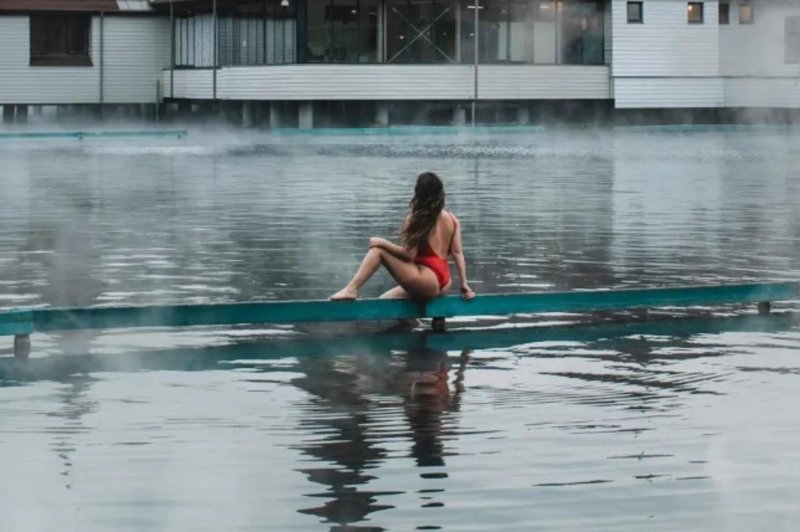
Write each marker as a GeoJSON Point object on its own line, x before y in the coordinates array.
{"type": "Point", "coordinates": [558, 421]}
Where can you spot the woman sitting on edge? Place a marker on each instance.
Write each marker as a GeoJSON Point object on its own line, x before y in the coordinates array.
{"type": "Point", "coordinates": [430, 234]}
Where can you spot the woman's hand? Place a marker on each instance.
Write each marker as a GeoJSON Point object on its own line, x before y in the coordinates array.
{"type": "Point", "coordinates": [466, 292]}
{"type": "Point", "coordinates": [376, 242]}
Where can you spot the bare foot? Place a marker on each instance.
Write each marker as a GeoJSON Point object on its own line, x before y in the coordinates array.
{"type": "Point", "coordinates": [345, 294]}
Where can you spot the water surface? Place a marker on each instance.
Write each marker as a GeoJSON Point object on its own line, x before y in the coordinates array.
{"type": "Point", "coordinates": [605, 422]}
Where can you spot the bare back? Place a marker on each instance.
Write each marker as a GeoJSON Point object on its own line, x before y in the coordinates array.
{"type": "Point", "coordinates": [441, 235]}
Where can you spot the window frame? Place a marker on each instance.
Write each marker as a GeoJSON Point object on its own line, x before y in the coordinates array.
{"type": "Point", "coordinates": [699, 5]}
{"type": "Point", "coordinates": [628, 6]}
{"type": "Point", "coordinates": [727, 9]}
{"type": "Point", "coordinates": [40, 28]}
{"type": "Point", "coordinates": [752, 18]}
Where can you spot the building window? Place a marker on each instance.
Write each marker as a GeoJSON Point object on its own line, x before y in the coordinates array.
{"type": "Point", "coordinates": [248, 33]}
{"type": "Point", "coordinates": [538, 31]}
{"type": "Point", "coordinates": [724, 13]}
{"type": "Point", "coordinates": [792, 40]}
{"type": "Point", "coordinates": [342, 31]}
{"type": "Point", "coordinates": [694, 12]}
{"type": "Point", "coordinates": [635, 13]}
{"type": "Point", "coordinates": [745, 13]}
{"type": "Point", "coordinates": [60, 40]}
{"type": "Point", "coordinates": [424, 31]}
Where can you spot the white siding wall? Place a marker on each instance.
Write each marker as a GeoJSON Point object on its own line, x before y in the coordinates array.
{"type": "Point", "coordinates": [752, 58]}
{"type": "Point", "coordinates": [135, 51]}
{"type": "Point", "coordinates": [757, 49]}
{"type": "Point", "coordinates": [762, 92]}
{"type": "Point", "coordinates": [192, 84]}
{"type": "Point", "coordinates": [665, 44]}
{"type": "Point", "coordinates": [394, 82]}
{"type": "Point", "coordinates": [544, 82]}
{"type": "Point", "coordinates": [24, 84]}
{"type": "Point", "coordinates": [666, 62]}
{"type": "Point", "coordinates": [666, 93]}
{"type": "Point", "coordinates": [346, 82]}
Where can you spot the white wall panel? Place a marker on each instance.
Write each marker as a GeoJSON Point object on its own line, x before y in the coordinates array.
{"type": "Point", "coordinates": [189, 83]}
{"type": "Point", "coordinates": [665, 44]}
{"type": "Point", "coordinates": [544, 82]}
{"type": "Point", "coordinates": [23, 84]}
{"type": "Point", "coordinates": [346, 82]}
{"type": "Point", "coordinates": [758, 49]}
{"type": "Point", "coordinates": [656, 93]}
{"type": "Point", "coordinates": [762, 92]}
{"type": "Point", "coordinates": [136, 49]}
{"type": "Point", "coordinates": [134, 52]}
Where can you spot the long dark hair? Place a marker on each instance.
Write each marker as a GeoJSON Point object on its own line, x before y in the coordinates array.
{"type": "Point", "coordinates": [426, 205]}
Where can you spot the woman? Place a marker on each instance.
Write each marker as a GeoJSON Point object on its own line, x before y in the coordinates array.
{"type": "Point", "coordinates": [429, 234]}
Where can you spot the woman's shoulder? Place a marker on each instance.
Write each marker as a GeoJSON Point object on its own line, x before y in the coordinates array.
{"type": "Point", "coordinates": [449, 214]}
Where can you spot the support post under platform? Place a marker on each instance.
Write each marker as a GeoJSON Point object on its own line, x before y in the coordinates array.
{"type": "Point", "coordinates": [22, 346]}
{"type": "Point", "coordinates": [439, 325]}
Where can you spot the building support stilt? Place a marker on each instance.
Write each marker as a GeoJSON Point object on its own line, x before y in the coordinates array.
{"type": "Point", "coordinates": [22, 346]}
{"type": "Point", "coordinates": [382, 114]}
{"type": "Point", "coordinates": [248, 114]}
{"type": "Point", "coordinates": [22, 114]}
{"type": "Point", "coordinates": [274, 115]}
{"type": "Point", "coordinates": [8, 114]}
{"type": "Point", "coordinates": [459, 116]}
{"type": "Point", "coordinates": [305, 115]}
{"type": "Point", "coordinates": [523, 116]}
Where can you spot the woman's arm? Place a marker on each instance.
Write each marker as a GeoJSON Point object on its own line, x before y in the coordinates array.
{"type": "Point", "coordinates": [458, 256]}
{"type": "Point", "coordinates": [391, 247]}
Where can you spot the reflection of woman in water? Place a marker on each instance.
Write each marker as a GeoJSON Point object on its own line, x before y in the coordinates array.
{"type": "Point", "coordinates": [343, 447]}
{"type": "Point", "coordinates": [427, 399]}
{"type": "Point", "coordinates": [430, 235]}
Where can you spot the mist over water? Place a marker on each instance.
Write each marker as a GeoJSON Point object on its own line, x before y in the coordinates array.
{"type": "Point", "coordinates": [657, 425]}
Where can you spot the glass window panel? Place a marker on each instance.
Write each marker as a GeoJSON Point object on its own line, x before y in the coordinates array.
{"type": "Point", "coordinates": [635, 12]}
{"type": "Point", "coordinates": [581, 33]}
{"type": "Point", "coordinates": [368, 31]}
{"type": "Point", "coordinates": [520, 32]}
{"type": "Point", "coordinates": [344, 21]}
{"type": "Point", "coordinates": [493, 26]}
{"type": "Point", "coordinates": [420, 31]}
{"type": "Point", "coordinates": [724, 13]}
{"type": "Point", "coordinates": [544, 32]}
{"type": "Point", "coordinates": [77, 35]}
{"type": "Point", "coordinates": [60, 39]}
{"type": "Point", "coordinates": [745, 14]}
{"type": "Point", "coordinates": [319, 38]}
{"type": "Point", "coordinates": [694, 12]}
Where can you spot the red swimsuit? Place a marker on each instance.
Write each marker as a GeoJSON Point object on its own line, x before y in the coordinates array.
{"type": "Point", "coordinates": [426, 257]}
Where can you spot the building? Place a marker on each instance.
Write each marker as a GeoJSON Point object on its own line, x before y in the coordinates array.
{"type": "Point", "coordinates": [308, 63]}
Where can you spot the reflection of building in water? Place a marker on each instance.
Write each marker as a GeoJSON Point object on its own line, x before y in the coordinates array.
{"type": "Point", "coordinates": [75, 405]}
{"type": "Point", "coordinates": [350, 402]}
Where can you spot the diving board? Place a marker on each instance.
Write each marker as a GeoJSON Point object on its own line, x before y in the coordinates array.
{"type": "Point", "coordinates": [22, 323]}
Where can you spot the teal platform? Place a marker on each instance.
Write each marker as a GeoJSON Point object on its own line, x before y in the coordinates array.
{"type": "Point", "coordinates": [22, 323]}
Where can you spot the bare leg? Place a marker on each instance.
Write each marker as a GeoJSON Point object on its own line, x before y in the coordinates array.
{"type": "Point", "coordinates": [415, 280]}
{"type": "Point", "coordinates": [369, 265]}
{"type": "Point", "coordinates": [398, 292]}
